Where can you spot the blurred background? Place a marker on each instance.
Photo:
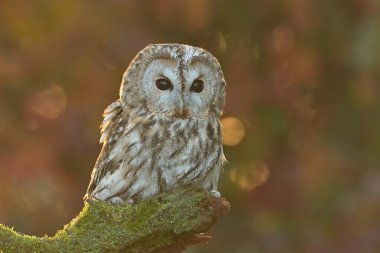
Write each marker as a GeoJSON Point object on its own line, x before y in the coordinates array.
{"type": "Point", "coordinates": [301, 123]}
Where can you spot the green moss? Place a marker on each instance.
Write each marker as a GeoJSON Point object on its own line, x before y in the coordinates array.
{"type": "Point", "coordinates": [100, 227]}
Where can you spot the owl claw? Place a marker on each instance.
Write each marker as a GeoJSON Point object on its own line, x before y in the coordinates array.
{"type": "Point", "coordinates": [215, 194]}
{"type": "Point", "coordinates": [117, 201]}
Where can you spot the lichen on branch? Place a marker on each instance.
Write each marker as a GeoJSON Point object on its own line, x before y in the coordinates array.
{"type": "Point", "coordinates": [165, 223]}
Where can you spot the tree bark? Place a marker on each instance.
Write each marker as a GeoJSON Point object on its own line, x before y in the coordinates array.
{"type": "Point", "coordinates": [165, 223]}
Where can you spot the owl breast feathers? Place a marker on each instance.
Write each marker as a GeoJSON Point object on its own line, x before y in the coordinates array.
{"type": "Point", "coordinates": [164, 130]}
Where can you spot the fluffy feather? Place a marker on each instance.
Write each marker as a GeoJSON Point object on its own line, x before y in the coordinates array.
{"type": "Point", "coordinates": [149, 144]}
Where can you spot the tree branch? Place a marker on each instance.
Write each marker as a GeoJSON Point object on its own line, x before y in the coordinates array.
{"type": "Point", "coordinates": [163, 224]}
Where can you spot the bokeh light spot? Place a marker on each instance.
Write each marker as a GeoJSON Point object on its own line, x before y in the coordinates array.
{"type": "Point", "coordinates": [51, 102]}
{"type": "Point", "coordinates": [221, 42]}
{"type": "Point", "coordinates": [250, 176]}
{"type": "Point", "coordinates": [233, 131]}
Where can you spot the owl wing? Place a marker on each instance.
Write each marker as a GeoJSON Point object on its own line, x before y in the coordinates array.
{"type": "Point", "coordinates": [109, 133]}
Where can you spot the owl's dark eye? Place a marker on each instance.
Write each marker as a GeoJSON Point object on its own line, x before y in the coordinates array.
{"type": "Point", "coordinates": [164, 84]}
{"type": "Point", "coordinates": [197, 86]}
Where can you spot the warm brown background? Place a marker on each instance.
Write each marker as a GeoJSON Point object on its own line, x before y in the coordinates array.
{"type": "Point", "coordinates": [303, 80]}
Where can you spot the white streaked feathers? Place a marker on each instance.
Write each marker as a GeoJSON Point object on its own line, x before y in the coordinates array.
{"type": "Point", "coordinates": [149, 145]}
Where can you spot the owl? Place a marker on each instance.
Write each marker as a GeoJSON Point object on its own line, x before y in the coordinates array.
{"type": "Point", "coordinates": [164, 130]}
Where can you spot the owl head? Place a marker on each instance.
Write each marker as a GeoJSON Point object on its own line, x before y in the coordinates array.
{"type": "Point", "coordinates": [175, 81]}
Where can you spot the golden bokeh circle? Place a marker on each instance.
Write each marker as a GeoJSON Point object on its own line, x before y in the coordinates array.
{"type": "Point", "coordinates": [233, 131]}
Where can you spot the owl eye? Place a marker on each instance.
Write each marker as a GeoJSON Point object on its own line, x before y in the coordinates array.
{"type": "Point", "coordinates": [197, 86]}
{"type": "Point", "coordinates": [164, 84]}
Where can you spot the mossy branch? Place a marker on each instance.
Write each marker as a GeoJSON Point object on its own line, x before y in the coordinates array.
{"type": "Point", "coordinates": [165, 223]}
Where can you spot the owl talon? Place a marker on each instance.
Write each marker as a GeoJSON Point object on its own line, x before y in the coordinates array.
{"type": "Point", "coordinates": [117, 201]}
{"type": "Point", "coordinates": [215, 194]}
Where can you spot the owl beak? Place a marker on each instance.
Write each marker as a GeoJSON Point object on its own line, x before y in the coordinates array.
{"type": "Point", "coordinates": [180, 110]}
{"type": "Point", "coordinates": [179, 105]}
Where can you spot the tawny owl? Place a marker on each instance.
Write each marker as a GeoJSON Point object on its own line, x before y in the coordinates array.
{"type": "Point", "coordinates": [164, 130]}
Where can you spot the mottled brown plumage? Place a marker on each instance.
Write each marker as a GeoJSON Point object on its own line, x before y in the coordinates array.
{"type": "Point", "coordinates": [164, 131]}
